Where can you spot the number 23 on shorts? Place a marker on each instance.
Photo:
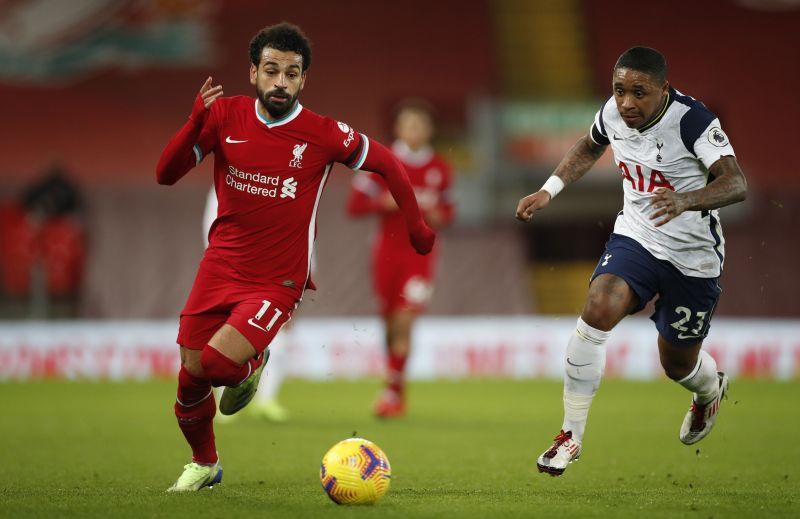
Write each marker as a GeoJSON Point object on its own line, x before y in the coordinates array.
{"type": "Point", "coordinates": [681, 325]}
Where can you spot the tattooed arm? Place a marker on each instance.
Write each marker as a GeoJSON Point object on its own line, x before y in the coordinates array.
{"type": "Point", "coordinates": [728, 187]}
{"type": "Point", "coordinates": [575, 164]}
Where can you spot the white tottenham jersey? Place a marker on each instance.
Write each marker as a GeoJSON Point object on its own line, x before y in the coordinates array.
{"type": "Point", "coordinates": [674, 151]}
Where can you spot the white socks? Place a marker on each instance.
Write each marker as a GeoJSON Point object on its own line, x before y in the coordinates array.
{"type": "Point", "coordinates": [585, 361]}
{"type": "Point", "coordinates": [703, 379]}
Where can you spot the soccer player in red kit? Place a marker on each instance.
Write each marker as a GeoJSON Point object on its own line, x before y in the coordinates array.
{"type": "Point", "coordinates": [403, 279]}
{"type": "Point", "coordinates": [272, 158]}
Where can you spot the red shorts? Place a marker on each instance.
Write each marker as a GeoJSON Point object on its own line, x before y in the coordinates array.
{"type": "Point", "coordinates": [402, 281]}
{"type": "Point", "coordinates": [256, 312]}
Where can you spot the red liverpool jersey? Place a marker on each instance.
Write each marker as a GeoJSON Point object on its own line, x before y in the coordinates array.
{"type": "Point", "coordinates": [269, 176]}
{"type": "Point", "coordinates": [430, 176]}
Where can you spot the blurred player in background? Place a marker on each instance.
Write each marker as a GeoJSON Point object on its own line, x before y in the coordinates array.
{"type": "Point", "coordinates": [677, 169]}
{"type": "Point", "coordinates": [43, 247]}
{"type": "Point", "coordinates": [403, 279]}
{"type": "Point", "coordinates": [265, 402]}
{"type": "Point", "coordinates": [271, 161]}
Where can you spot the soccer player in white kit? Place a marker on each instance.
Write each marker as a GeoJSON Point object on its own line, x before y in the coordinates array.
{"type": "Point", "coordinates": [677, 169]}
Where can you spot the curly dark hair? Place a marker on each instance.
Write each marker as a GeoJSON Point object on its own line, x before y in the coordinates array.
{"type": "Point", "coordinates": [644, 59]}
{"type": "Point", "coordinates": [284, 37]}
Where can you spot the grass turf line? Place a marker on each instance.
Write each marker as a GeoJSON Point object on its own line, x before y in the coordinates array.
{"type": "Point", "coordinates": [466, 449]}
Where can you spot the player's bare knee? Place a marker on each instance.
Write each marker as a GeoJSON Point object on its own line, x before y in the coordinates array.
{"type": "Point", "coordinates": [676, 369]}
{"type": "Point", "coordinates": [598, 314]}
{"type": "Point", "coordinates": [190, 360]}
{"type": "Point", "coordinates": [400, 346]}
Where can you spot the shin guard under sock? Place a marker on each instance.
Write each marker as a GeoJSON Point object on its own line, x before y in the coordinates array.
{"type": "Point", "coordinates": [703, 379]}
{"type": "Point", "coordinates": [222, 371]}
{"type": "Point", "coordinates": [585, 361]}
{"type": "Point", "coordinates": [195, 408]}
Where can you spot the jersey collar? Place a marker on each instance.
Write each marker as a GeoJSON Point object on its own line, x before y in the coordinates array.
{"type": "Point", "coordinates": [657, 118]}
{"type": "Point", "coordinates": [413, 158]}
{"type": "Point", "coordinates": [291, 116]}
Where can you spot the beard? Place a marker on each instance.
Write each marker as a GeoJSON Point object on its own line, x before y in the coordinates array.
{"type": "Point", "coordinates": [276, 109]}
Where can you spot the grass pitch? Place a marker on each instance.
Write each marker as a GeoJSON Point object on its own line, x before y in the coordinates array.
{"type": "Point", "coordinates": [466, 449]}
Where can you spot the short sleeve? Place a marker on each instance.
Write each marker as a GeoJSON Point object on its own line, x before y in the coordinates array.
{"type": "Point", "coordinates": [598, 130]}
{"type": "Point", "coordinates": [712, 144]}
{"type": "Point", "coordinates": [347, 146]}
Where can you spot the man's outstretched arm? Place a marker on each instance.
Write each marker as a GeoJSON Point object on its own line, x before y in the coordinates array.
{"type": "Point", "coordinates": [178, 156]}
{"type": "Point", "coordinates": [575, 164]}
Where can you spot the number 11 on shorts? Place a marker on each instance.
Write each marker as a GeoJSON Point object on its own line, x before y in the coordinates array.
{"type": "Point", "coordinates": [260, 315]}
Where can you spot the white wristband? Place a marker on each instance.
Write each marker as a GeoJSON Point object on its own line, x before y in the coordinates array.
{"type": "Point", "coordinates": [554, 185]}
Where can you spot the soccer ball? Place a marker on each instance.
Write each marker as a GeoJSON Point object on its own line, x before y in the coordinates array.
{"type": "Point", "coordinates": [355, 472]}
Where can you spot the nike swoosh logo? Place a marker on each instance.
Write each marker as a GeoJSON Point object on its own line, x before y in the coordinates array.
{"type": "Point", "coordinates": [233, 141]}
{"type": "Point", "coordinates": [682, 336]}
{"type": "Point", "coordinates": [252, 323]}
{"type": "Point", "coordinates": [576, 365]}
{"type": "Point", "coordinates": [617, 138]}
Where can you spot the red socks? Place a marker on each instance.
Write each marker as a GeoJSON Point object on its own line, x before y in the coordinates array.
{"type": "Point", "coordinates": [195, 406]}
{"type": "Point", "coordinates": [396, 373]}
{"type": "Point", "coordinates": [222, 371]}
{"type": "Point", "coordinates": [195, 409]}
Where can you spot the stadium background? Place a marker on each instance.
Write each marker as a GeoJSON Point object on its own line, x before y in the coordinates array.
{"type": "Point", "coordinates": [96, 88]}
{"type": "Point", "coordinates": [89, 299]}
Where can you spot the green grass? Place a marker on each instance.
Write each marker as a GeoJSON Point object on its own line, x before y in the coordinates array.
{"type": "Point", "coordinates": [466, 449]}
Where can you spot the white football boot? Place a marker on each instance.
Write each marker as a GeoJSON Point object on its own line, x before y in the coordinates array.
{"type": "Point", "coordinates": [196, 476]}
{"type": "Point", "coordinates": [701, 417]}
{"type": "Point", "coordinates": [564, 451]}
